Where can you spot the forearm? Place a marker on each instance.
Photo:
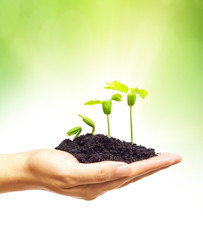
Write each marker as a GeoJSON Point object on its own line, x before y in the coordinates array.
{"type": "Point", "coordinates": [14, 174]}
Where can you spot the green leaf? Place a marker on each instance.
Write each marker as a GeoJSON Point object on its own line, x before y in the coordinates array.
{"type": "Point", "coordinates": [117, 97]}
{"type": "Point", "coordinates": [143, 93]}
{"type": "Point", "coordinates": [115, 85]}
{"type": "Point", "coordinates": [73, 131]}
{"type": "Point", "coordinates": [93, 102]}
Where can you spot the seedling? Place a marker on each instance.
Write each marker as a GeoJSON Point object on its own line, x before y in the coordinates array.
{"type": "Point", "coordinates": [73, 131]}
{"type": "Point", "coordinates": [106, 106]}
{"type": "Point", "coordinates": [88, 122]}
{"type": "Point", "coordinates": [131, 97]}
{"type": "Point", "coordinates": [78, 130]}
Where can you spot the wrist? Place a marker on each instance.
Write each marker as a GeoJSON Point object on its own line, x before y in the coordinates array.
{"type": "Point", "coordinates": [14, 172]}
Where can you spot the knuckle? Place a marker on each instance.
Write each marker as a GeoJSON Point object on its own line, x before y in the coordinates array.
{"type": "Point", "coordinates": [102, 175]}
{"type": "Point", "coordinates": [66, 181]}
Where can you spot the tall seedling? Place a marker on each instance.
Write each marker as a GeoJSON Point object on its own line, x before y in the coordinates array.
{"type": "Point", "coordinates": [106, 106]}
{"type": "Point", "coordinates": [131, 97]}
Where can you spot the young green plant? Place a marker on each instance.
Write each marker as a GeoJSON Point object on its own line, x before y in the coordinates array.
{"type": "Point", "coordinates": [73, 131]}
{"type": "Point", "coordinates": [89, 122]}
{"type": "Point", "coordinates": [78, 130]}
{"type": "Point", "coordinates": [131, 97]}
{"type": "Point", "coordinates": [106, 106]}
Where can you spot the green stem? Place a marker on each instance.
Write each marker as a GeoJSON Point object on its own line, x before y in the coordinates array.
{"type": "Point", "coordinates": [131, 124]}
{"type": "Point", "coordinates": [108, 126]}
{"type": "Point", "coordinates": [78, 133]}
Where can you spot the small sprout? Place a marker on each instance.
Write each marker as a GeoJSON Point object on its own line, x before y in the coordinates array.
{"type": "Point", "coordinates": [131, 97]}
{"type": "Point", "coordinates": [88, 122]}
{"type": "Point", "coordinates": [78, 130]}
{"type": "Point", "coordinates": [106, 106]}
{"type": "Point", "coordinates": [73, 131]}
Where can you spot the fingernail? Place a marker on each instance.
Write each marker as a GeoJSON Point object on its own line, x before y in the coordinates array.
{"type": "Point", "coordinates": [123, 171]}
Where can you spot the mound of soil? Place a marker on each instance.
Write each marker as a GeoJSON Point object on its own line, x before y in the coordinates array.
{"type": "Point", "coordinates": [96, 148]}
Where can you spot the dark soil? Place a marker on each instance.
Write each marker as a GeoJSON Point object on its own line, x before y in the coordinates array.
{"type": "Point", "coordinates": [96, 148]}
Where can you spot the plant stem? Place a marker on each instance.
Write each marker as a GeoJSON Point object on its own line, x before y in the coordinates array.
{"type": "Point", "coordinates": [108, 126]}
{"type": "Point", "coordinates": [78, 133]}
{"type": "Point", "coordinates": [131, 124]}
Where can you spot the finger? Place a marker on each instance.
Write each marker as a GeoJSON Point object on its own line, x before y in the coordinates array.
{"type": "Point", "coordinates": [157, 162]}
{"type": "Point", "coordinates": [104, 171]}
{"type": "Point", "coordinates": [132, 180]}
{"type": "Point", "coordinates": [148, 174]}
{"type": "Point", "coordinates": [135, 179]}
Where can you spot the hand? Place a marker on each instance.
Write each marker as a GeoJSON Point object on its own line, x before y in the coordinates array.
{"type": "Point", "coordinates": [60, 172]}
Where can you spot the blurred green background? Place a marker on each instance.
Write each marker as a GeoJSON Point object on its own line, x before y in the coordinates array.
{"type": "Point", "coordinates": [77, 45]}
{"type": "Point", "coordinates": [57, 54]}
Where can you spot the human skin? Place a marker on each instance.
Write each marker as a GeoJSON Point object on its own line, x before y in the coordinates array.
{"type": "Point", "coordinates": [60, 172]}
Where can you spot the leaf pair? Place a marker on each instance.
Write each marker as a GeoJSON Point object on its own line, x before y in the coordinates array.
{"type": "Point", "coordinates": [106, 104]}
{"type": "Point", "coordinates": [115, 85]}
{"type": "Point", "coordinates": [115, 97]}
